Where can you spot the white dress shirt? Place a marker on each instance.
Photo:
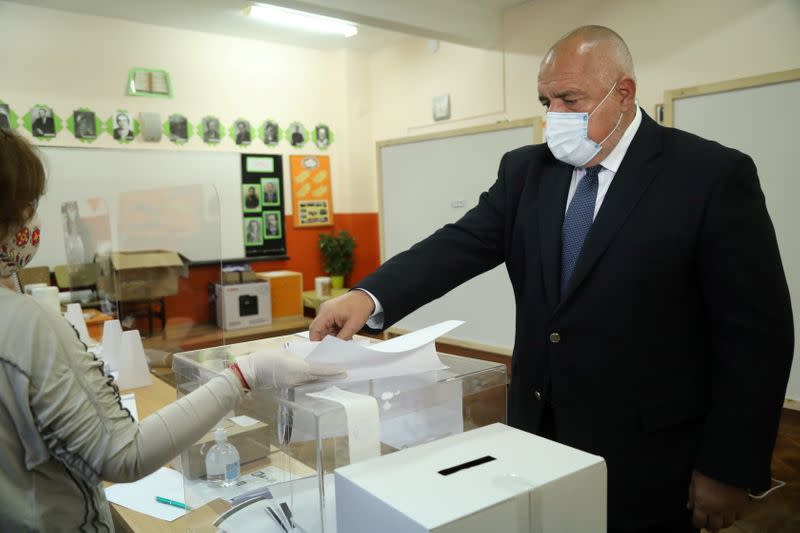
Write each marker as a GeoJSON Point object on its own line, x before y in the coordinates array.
{"type": "Point", "coordinates": [610, 166]}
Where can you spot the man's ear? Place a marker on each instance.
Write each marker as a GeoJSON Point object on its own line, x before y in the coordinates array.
{"type": "Point", "coordinates": [626, 87]}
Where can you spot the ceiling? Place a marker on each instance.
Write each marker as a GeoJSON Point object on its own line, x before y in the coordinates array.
{"type": "Point", "coordinates": [381, 22]}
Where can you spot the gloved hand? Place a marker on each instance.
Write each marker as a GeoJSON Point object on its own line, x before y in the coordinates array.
{"type": "Point", "coordinates": [281, 368]}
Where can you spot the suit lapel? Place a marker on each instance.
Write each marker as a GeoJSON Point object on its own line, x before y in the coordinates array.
{"type": "Point", "coordinates": [639, 166]}
{"type": "Point", "coordinates": [553, 191]}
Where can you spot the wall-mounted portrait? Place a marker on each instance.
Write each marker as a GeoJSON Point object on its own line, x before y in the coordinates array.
{"type": "Point", "coordinates": [271, 191]}
{"type": "Point", "coordinates": [273, 226]}
{"type": "Point", "coordinates": [251, 198]}
{"type": "Point", "coordinates": [253, 235]}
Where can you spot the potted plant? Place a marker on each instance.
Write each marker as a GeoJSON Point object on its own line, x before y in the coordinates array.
{"type": "Point", "coordinates": [337, 256]}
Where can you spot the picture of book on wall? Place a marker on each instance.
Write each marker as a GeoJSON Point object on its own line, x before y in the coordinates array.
{"type": "Point", "coordinates": [272, 191]}
{"type": "Point", "coordinates": [242, 129]}
{"type": "Point", "coordinates": [5, 116]}
{"type": "Point", "coordinates": [123, 126]}
{"type": "Point", "coordinates": [252, 232]}
{"type": "Point", "coordinates": [272, 133]}
{"type": "Point", "coordinates": [178, 129]}
{"type": "Point", "coordinates": [251, 198]}
{"type": "Point", "coordinates": [211, 130]}
{"type": "Point", "coordinates": [297, 135]}
{"type": "Point", "coordinates": [43, 124]}
{"type": "Point", "coordinates": [273, 228]}
{"type": "Point", "coordinates": [85, 124]}
{"type": "Point", "coordinates": [322, 136]}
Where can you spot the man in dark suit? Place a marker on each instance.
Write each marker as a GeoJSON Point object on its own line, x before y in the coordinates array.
{"type": "Point", "coordinates": [653, 319]}
{"type": "Point", "coordinates": [44, 125]}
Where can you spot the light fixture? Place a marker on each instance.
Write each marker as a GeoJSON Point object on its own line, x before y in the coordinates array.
{"type": "Point", "coordinates": [301, 20]}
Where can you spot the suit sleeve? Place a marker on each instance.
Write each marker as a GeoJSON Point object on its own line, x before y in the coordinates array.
{"type": "Point", "coordinates": [751, 330]}
{"type": "Point", "coordinates": [452, 255]}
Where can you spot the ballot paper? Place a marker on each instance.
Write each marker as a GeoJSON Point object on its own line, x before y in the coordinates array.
{"type": "Point", "coordinates": [412, 353]}
{"type": "Point", "coordinates": [141, 495]}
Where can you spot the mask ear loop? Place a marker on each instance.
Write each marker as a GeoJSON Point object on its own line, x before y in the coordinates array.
{"type": "Point", "coordinates": [598, 107]}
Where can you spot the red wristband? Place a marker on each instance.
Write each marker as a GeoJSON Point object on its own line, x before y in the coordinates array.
{"type": "Point", "coordinates": [238, 371]}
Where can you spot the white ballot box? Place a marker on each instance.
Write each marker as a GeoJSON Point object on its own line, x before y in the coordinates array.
{"type": "Point", "coordinates": [291, 441]}
{"type": "Point", "coordinates": [493, 478]}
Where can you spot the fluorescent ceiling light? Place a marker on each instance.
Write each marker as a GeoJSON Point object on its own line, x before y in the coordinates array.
{"type": "Point", "coordinates": [301, 20]}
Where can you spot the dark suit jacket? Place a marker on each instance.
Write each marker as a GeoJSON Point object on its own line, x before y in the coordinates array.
{"type": "Point", "coordinates": [46, 126]}
{"type": "Point", "coordinates": [672, 346]}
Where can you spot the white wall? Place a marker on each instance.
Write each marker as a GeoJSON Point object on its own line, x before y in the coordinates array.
{"type": "Point", "coordinates": [68, 61]}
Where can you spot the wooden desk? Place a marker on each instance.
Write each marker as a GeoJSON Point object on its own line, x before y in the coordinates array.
{"type": "Point", "coordinates": [312, 301]}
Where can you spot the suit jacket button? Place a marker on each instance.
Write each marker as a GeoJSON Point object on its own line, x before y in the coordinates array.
{"type": "Point", "coordinates": [555, 338]}
{"type": "Point", "coordinates": [537, 394]}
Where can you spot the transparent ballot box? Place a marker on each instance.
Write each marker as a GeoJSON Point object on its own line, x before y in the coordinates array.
{"type": "Point", "coordinates": [290, 441]}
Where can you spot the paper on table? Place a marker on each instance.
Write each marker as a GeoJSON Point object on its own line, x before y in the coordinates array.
{"type": "Point", "coordinates": [129, 403]}
{"type": "Point", "coordinates": [243, 420]}
{"type": "Point", "coordinates": [141, 495]}
{"type": "Point", "coordinates": [396, 357]}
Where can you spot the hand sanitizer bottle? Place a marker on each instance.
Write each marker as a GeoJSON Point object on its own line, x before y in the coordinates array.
{"type": "Point", "coordinates": [222, 461]}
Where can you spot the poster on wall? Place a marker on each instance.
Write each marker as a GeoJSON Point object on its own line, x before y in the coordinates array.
{"type": "Point", "coordinates": [262, 205]}
{"type": "Point", "coordinates": [271, 132]}
{"type": "Point", "coordinates": [122, 126]}
{"type": "Point", "coordinates": [311, 190]}
{"type": "Point", "coordinates": [178, 129]}
{"type": "Point", "coordinates": [322, 136]}
{"type": "Point", "coordinates": [241, 132]}
{"type": "Point", "coordinates": [84, 124]}
{"type": "Point", "coordinates": [8, 119]}
{"type": "Point", "coordinates": [210, 130]}
{"type": "Point", "coordinates": [297, 135]}
{"type": "Point", "coordinates": [42, 122]}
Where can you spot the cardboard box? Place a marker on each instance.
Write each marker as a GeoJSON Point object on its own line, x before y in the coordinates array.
{"type": "Point", "coordinates": [76, 276]}
{"type": "Point", "coordinates": [232, 278]}
{"type": "Point", "coordinates": [244, 305]}
{"type": "Point", "coordinates": [494, 478]}
{"type": "Point", "coordinates": [143, 275]}
{"type": "Point", "coordinates": [287, 292]}
{"type": "Point", "coordinates": [32, 275]}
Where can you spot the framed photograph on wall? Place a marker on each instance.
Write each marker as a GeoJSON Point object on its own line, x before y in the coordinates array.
{"type": "Point", "coordinates": [251, 198]}
{"type": "Point", "coordinates": [273, 225]}
{"type": "Point", "coordinates": [253, 235]}
{"type": "Point", "coordinates": [271, 195]}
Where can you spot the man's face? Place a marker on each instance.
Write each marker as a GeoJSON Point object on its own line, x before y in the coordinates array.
{"type": "Point", "coordinates": [213, 126]}
{"type": "Point", "coordinates": [253, 227]}
{"type": "Point", "coordinates": [570, 81]}
{"type": "Point", "coordinates": [240, 126]}
{"type": "Point", "coordinates": [122, 121]}
{"type": "Point", "coordinates": [272, 220]}
{"type": "Point", "coordinates": [269, 187]}
{"type": "Point", "coordinates": [322, 134]}
{"type": "Point", "coordinates": [251, 191]}
{"type": "Point", "coordinates": [42, 113]}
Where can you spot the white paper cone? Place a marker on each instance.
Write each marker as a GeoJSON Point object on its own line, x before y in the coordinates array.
{"type": "Point", "coordinates": [133, 369]}
{"type": "Point", "coordinates": [112, 343]}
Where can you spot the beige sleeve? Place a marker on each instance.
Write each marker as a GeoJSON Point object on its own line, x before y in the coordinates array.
{"type": "Point", "coordinates": [167, 432]}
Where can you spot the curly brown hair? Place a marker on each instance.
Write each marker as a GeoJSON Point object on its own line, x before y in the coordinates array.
{"type": "Point", "coordinates": [22, 181]}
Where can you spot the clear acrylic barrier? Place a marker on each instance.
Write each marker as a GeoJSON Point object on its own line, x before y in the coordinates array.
{"type": "Point", "coordinates": [294, 441]}
{"type": "Point", "coordinates": [129, 257]}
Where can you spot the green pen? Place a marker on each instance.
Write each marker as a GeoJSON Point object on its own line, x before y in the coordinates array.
{"type": "Point", "coordinates": [173, 503]}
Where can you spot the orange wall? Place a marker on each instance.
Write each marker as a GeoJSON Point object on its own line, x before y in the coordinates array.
{"type": "Point", "coordinates": [303, 251]}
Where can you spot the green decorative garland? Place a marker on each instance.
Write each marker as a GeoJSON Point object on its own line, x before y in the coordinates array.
{"type": "Point", "coordinates": [98, 125]}
{"type": "Point", "coordinates": [189, 129]}
{"type": "Point", "coordinates": [111, 126]}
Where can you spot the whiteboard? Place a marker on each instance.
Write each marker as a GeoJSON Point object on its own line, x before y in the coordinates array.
{"type": "Point", "coordinates": [761, 122]}
{"type": "Point", "coordinates": [429, 182]}
{"type": "Point", "coordinates": [111, 174]}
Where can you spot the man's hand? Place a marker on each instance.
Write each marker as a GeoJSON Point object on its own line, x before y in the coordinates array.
{"type": "Point", "coordinates": [716, 505]}
{"type": "Point", "coordinates": [343, 316]}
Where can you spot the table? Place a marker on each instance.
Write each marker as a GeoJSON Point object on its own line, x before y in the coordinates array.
{"type": "Point", "coordinates": [312, 301]}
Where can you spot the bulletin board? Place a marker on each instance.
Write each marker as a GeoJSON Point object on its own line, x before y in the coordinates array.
{"type": "Point", "coordinates": [311, 191]}
{"type": "Point", "coordinates": [263, 205]}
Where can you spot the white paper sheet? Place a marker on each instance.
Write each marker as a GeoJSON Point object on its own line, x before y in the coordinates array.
{"type": "Point", "coordinates": [129, 402]}
{"type": "Point", "coordinates": [243, 420]}
{"type": "Point", "coordinates": [141, 495]}
{"type": "Point", "coordinates": [412, 353]}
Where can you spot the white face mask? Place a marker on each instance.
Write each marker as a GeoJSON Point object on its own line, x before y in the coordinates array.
{"type": "Point", "coordinates": [20, 247]}
{"type": "Point", "coordinates": [568, 135]}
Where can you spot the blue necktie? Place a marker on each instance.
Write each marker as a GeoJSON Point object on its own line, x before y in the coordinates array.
{"type": "Point", "coordinates": [577, 222]}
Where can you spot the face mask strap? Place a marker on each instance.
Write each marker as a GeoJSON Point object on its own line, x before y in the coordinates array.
{"type": "Point", "coordinates": [604, 99]}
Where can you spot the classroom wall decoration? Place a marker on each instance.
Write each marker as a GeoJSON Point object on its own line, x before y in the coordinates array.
{"type": "Point", "coordinates": [210, 130]}
{"type": "Point", "coordinates": [8, 119]}
{"type": "Point", "coordinates": [178, 129]}
{"type": "Point", "coordinates": [262, 205]}
{"type": "Point", "coordinates": [241, 132]}
{"type": "Point", "coordinates": [42, 122]}
{"type": "Point", "coordinates": [311, 190]}
{"type": "Point", "coordinates": [84, 125]}
{"type": "Point", "coordinates": [271, 133]}
{"type": "Point", "coordinates": [297, 135]}
{"type": "Point", "coordinates": [122, 126]}
{"type": "Point", "coordinates": [322, 136]}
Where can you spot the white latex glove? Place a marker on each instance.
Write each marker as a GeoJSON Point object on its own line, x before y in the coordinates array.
{"type": "Point", "coordinates": [281, 368]}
